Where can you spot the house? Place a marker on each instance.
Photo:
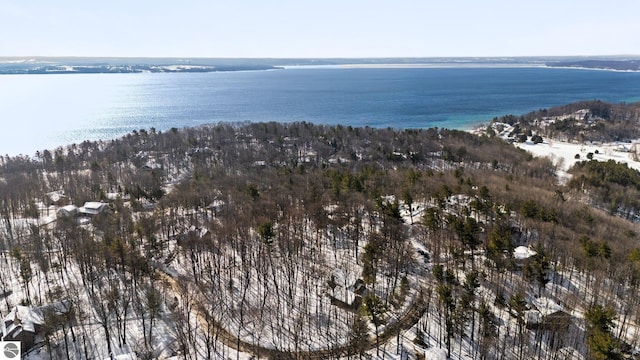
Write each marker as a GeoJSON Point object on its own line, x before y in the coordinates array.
{"type": "Point", "coordinates": [216, 206]}
{"type": "Point", "coordinates": [523, 253]}
{"type": "Point", "coordinates": [547, 314]}
{"type": "Point", "coordinates": [151, 166]}
{"type": "Point", "coordinates": [352, 300]}
{"type": "Point", "coordinates": [549, 318]}
{"type": "Point", "coordinates": [22, 324]}
{"type": "Point", "coordinates": [193, 234]}
{"type": "Point", "coordinates": [92, 208]}
{"type": "Point", "coordinates": [56, 197]}
{"type": "Point", "coordinates": [112, 196]}
{"type": "Point", "coordinates": [359, 288]}
{"type": "Point", "coordinates": [68, 211]}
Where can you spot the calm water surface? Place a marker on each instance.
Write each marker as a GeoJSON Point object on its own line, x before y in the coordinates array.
{"type": "Point", "coordinates": [45, 111]}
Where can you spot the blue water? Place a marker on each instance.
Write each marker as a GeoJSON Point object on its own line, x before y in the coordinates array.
{"type": "Point", "coordinates": [45, 111]}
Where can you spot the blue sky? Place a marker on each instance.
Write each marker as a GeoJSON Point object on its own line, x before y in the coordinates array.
{"type": "Point", "coordinates": [327, 28]}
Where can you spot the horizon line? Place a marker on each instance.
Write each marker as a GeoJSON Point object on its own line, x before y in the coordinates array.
{"type": "Point", "coordinates": [314, 58]}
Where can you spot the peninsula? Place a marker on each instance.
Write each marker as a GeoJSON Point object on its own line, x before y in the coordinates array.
{"type": "Point", "coordinates": [601, 64]}
{"type": "Point", "coordinates": [73, 65]}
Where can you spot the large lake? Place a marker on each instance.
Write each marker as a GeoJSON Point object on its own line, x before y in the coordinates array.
{"type": "Point", "coordinates": [46, 111]}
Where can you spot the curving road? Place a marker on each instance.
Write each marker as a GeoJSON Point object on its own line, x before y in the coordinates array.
{"type": "Point", "coordinates": [407, 321]}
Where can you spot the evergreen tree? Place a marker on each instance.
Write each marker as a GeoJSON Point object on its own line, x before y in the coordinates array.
{"type": "Point", "coordinates": [600, 340]}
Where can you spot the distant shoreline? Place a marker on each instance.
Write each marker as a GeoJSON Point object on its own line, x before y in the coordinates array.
{"type": "Point", "coordinates": [590, 68]}
{"type": "Point", "coordinates": [115, 65]}
{"type": "Point", "coordinates": [596, 64]}
{"type": "Point", "coordinates": [132, 69]}
{"type": "Point", "coordinates": [417, 66]}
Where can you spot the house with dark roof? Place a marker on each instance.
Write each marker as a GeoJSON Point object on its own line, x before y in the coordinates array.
{"type": "Point", "coordinates": [546, 313]}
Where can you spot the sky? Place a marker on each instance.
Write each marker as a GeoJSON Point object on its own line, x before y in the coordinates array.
{"type": "Point", "coordinates": [317, 29]}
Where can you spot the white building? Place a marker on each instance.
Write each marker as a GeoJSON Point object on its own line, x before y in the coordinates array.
{"type": "Point", "coordinates": [67, 211]}
{"type": "Point", "coordinates": [92, 208]}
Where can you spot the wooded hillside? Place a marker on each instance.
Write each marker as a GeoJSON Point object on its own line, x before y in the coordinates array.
{"type": "Point", "coordinates": [306, 241]}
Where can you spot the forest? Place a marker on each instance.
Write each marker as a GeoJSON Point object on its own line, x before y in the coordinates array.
{"type": "Point", "coordinates": [303, 241]}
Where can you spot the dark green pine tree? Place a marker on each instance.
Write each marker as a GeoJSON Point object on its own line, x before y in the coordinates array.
{"type": "Point", "coordinates": [537, 268]}
{"type": "Point", "coordinates": [359, 335]}
{"type": "Point", "coordinates": [599, 323]}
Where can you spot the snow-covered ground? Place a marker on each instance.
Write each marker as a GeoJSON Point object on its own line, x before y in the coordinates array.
{"type": "Point", "coordinates": [564, 154]}
{"type": "Point", "coordinates": [564, 292]}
